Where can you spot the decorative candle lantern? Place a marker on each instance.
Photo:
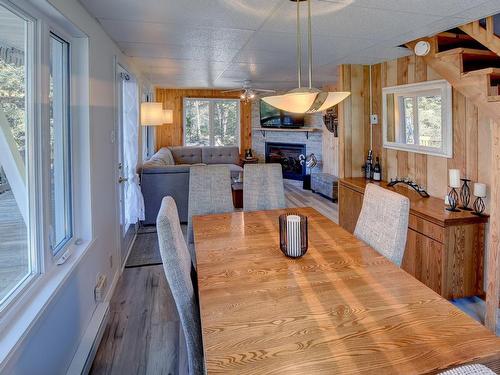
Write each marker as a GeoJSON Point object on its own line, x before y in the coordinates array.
{"type": "Point", "coordinates": [454, 184]}
{"type": "Point", "coordinates": [293, 235]}
{"type": "Point", "coordinates": [465, 195]}
{"type": "Point", "coordinates": [479, 193]}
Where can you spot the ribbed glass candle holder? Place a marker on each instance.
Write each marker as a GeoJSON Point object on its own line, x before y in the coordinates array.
{"type": "Point", "coordinates": [293, 234]}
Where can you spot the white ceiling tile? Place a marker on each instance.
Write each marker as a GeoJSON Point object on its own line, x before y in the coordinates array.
{"type": "Point", "coordinates": [172, 51]}
{"type": "Point", "coordinates": [176, 33]}
{"type": "Point", "coordinates": [429, 7]}
{"type": "Point", "coordinates": [334, 19]}
{"type": "Point", "coordinates": [485, 9]}
{"type": "Point", "coordinates": [245, 14]}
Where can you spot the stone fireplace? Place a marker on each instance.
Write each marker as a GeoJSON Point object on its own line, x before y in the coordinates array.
{"type": "Point", "coordinates": [287, 154]}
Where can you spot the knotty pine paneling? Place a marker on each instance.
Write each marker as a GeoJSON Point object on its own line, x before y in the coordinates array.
{"type": "Point", "coordinates": [171, 134]}
{"type": "Point", "coordinates": [471, 143]}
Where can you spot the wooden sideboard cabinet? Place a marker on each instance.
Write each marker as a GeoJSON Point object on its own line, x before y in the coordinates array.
{"type": "Point", "coordinates": [444, 250]}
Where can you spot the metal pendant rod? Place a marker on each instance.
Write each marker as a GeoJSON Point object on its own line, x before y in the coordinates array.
{"type": "Point", "coordinates": [299, 47]}
{"type": "Point", "coordinates": [309, 41]}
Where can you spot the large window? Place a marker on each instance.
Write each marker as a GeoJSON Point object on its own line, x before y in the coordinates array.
{"type": "Point", "coordinates": [60, 155]}
{"type": "Point", "coordinates": [211, 122]}
{"type": "Point", "coordinates": [17, 260]}
{"type": "Point", "coordinates": [36, 222]}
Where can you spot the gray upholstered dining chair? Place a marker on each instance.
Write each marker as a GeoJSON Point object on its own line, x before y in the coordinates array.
{"type": "Point", "coordinates": [263, 187]}
{"type": "Point", "coordinates": [383, 222]}
{"type": "Point", "coordinates": [474, 369]}
{"type": "Point", "coordinates": [209, 193]}
{"type": "Point", "coordinates": [178, 271]}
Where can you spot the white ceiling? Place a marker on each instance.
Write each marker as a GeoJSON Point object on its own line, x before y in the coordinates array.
{"type": "Point", "coordinates": [221, 43]}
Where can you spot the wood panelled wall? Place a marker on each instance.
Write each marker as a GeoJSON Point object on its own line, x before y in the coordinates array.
{"type": "Point", "coordinates": [471, 129]}
{"type": "Point", "coordinates": [172, 134]}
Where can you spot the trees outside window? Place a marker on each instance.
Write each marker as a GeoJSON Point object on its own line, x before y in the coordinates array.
{"type": "Point", "coordinates": [211, 122]}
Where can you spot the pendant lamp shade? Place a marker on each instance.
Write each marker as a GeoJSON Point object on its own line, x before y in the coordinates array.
{"type": "Point", "coordinates": [305, 100]}
{"type": "Point", "coordinates": [152, 114]}
{"type": "Point", "coordinates": [294, 101]}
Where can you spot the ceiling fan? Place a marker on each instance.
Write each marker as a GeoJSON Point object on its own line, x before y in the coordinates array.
{"type": "Point", "coordinates": [247, 92]}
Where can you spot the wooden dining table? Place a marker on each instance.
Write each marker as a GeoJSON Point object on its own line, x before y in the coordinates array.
{"type": "Point", "coordinates": [342, 308]}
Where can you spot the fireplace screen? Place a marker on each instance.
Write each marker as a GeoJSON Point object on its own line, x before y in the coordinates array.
{"type": "Point", "coordinates": [287, 154]}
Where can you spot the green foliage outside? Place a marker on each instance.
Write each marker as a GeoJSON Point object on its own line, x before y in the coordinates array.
{"type": "Point", "coordinates": [12, 100]}
{"type": "Point", "coordinates": [225, 122]}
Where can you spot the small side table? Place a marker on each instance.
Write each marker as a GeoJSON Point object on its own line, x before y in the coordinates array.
{"type": "Point", "coordinates": [244, 161]}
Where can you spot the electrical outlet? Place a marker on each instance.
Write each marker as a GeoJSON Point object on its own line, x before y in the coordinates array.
{"type": "Point", "coordinates": [100, 288]}
{"type": "Point", "coordinates": [373, 119]}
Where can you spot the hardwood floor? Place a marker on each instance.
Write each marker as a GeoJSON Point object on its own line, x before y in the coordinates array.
{"type": "Point", "coordinates": [142, 334]}
{"type": "Point", "coordinates": [298, 197]}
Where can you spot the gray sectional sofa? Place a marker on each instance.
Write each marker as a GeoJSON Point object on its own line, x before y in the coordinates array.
{"type": "Point", "coordinates": [167, 173]}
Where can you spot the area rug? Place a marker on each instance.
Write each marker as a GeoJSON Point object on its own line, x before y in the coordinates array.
{"type": "Point", "coordinates": [145, 251]}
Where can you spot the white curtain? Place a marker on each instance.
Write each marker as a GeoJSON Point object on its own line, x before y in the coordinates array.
{"type": "Point", "coordinates": [134, 202]}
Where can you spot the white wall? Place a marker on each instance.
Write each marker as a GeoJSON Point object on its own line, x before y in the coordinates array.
{"type": "Point", "coordinates": [52, 342]}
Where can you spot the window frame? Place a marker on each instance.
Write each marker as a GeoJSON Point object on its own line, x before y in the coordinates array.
{"type": "Point", "coordinates": [416, 90]}
{"type": "Point", "coordinates": [68, 147]}
{"type": "Point", "coordinates": [46, 267]}
{"type": "Point", "coordinates": [33, 175]}
{"type": "Point", "coordinates": [210, 118]}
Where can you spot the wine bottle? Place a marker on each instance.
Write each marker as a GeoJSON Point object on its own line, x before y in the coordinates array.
{"type": "Point", "coordinates": [369, 166]}
{"type": "Point", "coordinates": [377, 171]}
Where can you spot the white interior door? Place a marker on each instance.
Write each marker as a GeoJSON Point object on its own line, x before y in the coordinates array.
{"type": "Point", "coordinates": [128, 151]}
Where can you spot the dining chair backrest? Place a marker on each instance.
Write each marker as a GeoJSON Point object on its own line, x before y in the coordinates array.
{"type": "Point", "coordinates": [383, 222]}
{"type": "Point", "coordinates": [474, 369]}
{"type": "Point", "coordinates": [263, 187]}
{"type": "Point", "coordinates": [179, 273]}
{"type": "Point", "coordinates": [209, 193]}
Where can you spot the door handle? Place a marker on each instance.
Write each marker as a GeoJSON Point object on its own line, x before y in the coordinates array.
{"type": "Point", "coordinates": [122, 179]}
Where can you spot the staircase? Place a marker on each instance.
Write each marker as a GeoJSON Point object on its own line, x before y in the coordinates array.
{"type": "Point", "coordinates": [468, 57]}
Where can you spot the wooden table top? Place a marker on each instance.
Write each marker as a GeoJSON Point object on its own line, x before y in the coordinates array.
{"type": "Point", "coordinates": [341, 309]}
{"type": "Point", "coordinates": [432, 208]}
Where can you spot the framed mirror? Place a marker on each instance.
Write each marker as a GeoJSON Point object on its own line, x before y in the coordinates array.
{"type": "Point", "coordinates": [418, 118]}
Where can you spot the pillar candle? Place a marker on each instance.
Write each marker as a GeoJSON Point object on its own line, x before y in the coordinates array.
{"type": "Point", "coordinates": [293, 235]}
{"type": "Point", "coordinates": [454, 178]}
{"type": "Point", "coordinates": [479, 190]}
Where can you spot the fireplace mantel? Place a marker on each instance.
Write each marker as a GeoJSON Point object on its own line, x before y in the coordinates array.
{"type": "Point", "coordinates": [306, 129]}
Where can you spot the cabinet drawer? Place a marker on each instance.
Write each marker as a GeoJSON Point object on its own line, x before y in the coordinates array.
{"type": "Point", "coordinates": [426, 228]}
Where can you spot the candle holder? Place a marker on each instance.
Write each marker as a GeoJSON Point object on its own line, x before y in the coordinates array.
{"type": "Point", "coordinates": [465, 195]}
{"type": "Point", "coordinates": [479, 206]}
{"type": "Point", "coordinates": [452, 200]}
{"type": "Point", "coordinates": [293, 234]}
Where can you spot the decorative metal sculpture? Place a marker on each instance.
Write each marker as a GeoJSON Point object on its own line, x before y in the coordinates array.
{"type": "Point", "coordinates": [479, 206]}
{"type": "Point", "coordinates": [465, 195]}
{"type": "Point", "coordinates": [419, 189]}
{"type": "Point", "coordinates": [311, 161]}
{"type": "Point", "coordinates": [453, 200]}
{"type": "Point", "coordinates": [331, 120]}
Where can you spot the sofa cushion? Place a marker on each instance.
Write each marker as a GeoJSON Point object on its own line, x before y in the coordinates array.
{"type": "Point", "coordinates": [220, 155]}
{"type": "Point", "coordinates": [234, 169]}
{"type": "Point", "coordinates": [162, 158]}
{"type": "Point", "coordinates": [186, 154]}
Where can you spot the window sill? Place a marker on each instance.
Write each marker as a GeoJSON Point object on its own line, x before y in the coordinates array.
{"type": "Point", "coordinates": [23, 314]}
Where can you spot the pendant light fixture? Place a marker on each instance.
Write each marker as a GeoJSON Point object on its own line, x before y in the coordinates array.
{"type": "Point", "coordinates": [305, 99]}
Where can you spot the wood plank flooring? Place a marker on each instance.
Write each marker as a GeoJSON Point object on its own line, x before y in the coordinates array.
{"type": "Point", "coordinates": [143, 335]}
